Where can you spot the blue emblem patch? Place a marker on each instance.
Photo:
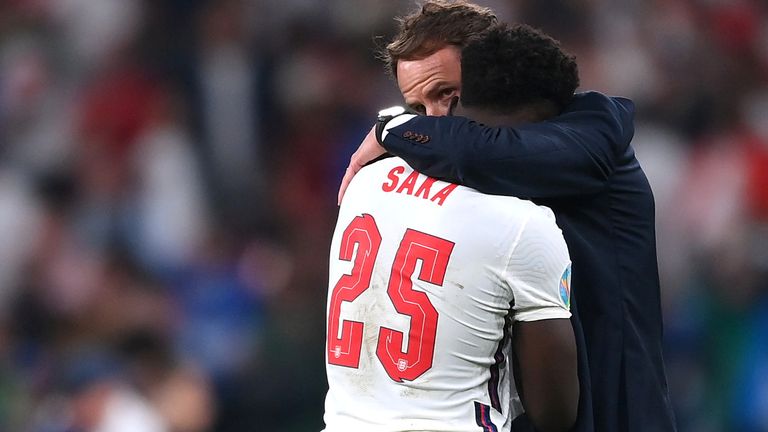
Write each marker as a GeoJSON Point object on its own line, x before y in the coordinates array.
{"type": "Point", "coordinates": [565, 286]}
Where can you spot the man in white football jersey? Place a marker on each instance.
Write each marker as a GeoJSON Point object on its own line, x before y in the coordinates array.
{"type": "Point", "coordinates": [448, 309]}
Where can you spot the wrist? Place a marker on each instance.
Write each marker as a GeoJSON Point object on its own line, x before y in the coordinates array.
{"type": "Point", "coordinates": [389, 118]}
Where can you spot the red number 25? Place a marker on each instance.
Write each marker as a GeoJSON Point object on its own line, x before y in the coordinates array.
{"type": "Point", "coordinates": [344, 346]}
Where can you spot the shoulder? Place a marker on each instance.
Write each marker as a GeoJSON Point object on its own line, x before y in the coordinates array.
{"type": "Point", "coordinates": [538, 269]}
{"type": "Point", "coordinates": [597, 99]}
{"type": "Point", "coordinates": [507, 207]}
{"type": "Point", "coordinates": [541, 227]}
{"type": "Point", "coordinates": [539, 241]}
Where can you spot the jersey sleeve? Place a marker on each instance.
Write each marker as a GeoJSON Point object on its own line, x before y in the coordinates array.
{"type": "Point", "coordinates": [573, 154]}
{"type": "Point", "coordinates": [539, 271]}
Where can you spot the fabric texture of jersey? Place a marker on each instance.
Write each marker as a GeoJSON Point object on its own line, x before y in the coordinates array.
{"type": "Point", "coordinates": [504, 253]}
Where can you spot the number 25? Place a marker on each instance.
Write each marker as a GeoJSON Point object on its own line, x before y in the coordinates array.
{"type": "Point", "coordinates": [343, 348]}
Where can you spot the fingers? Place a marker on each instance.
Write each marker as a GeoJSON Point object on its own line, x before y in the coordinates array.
{"type": "Point", "coordinates": [345, 182]}
{"type": "Point", "coordinates": [369, 149]}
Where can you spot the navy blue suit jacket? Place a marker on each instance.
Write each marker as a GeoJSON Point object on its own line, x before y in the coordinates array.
{"type": "Point", "coordinates": [582, 165]}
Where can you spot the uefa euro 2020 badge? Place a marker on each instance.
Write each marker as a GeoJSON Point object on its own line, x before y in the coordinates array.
{"type": "Point", "coordinates": [565, 286]}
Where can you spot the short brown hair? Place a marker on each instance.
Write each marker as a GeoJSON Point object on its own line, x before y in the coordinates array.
{"type": "Point", "coordinates": [435, 25]}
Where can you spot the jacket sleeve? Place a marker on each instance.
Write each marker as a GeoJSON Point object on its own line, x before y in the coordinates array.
{"type": "Point", "coordinates": [569, 155]}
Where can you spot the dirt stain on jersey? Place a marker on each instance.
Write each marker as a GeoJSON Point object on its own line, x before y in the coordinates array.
{"type": "Point", "coordinates": [370, 310]}
{"type": "Point", "coordinates": [408, 392]}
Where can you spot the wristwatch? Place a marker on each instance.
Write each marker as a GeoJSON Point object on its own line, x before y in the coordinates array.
{"type": "Point", "coordinates": [385, 116]}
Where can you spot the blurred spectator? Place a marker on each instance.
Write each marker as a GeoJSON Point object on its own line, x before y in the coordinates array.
{"type": "Point", "coordinates": [19, 222]}
{"type": "Point", "coordinates": [94, 397]}
{"type": "Point", "coordinates": [170, 207]}
{"type": "Point", "coordinates": [168, 172]}
{"type": "Point", "coordinates": [229, 87]}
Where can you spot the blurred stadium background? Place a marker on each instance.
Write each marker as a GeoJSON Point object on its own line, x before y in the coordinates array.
{"type": "Point", "coordinates": [168, 174]}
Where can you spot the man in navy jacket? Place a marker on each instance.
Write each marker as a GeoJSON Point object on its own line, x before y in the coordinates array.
{"type": "Point", "coordinates": [580, 164]}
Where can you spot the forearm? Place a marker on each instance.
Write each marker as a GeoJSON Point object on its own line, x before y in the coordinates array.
{"type": "Point", "coordinates": [572, 154]}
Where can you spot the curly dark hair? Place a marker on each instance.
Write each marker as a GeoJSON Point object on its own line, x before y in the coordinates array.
{"type": "Point", "coordinates": [509, 66]}
{"type": "Point", "coordinates": [435, 25]}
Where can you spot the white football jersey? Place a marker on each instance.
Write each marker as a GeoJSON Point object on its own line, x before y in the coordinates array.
{"type": "Point", "coordinates": [425, 280]}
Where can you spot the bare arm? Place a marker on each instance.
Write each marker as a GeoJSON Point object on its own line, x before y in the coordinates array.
{"type": "Point", "coordinates": [546, 355]}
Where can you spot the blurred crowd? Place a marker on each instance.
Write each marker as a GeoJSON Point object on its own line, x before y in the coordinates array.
{"type": "Point", "coordinates": [168, 175]}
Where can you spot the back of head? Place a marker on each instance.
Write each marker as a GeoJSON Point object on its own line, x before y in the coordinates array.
{"type": "Point", "coordinates": [437, 24]}
{"type": "Point", "coordinates": [513, 67]}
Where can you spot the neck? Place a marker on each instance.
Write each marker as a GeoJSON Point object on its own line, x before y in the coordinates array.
{"type": "Point", "coordinates": [529, 113]}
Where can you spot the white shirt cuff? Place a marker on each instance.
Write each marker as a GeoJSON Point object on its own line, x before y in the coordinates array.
{"type": "Point", "coordinates": [395, 122]}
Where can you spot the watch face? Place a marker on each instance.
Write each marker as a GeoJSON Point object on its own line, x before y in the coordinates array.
{"type": "Point", "coordinates": [392, 111]}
